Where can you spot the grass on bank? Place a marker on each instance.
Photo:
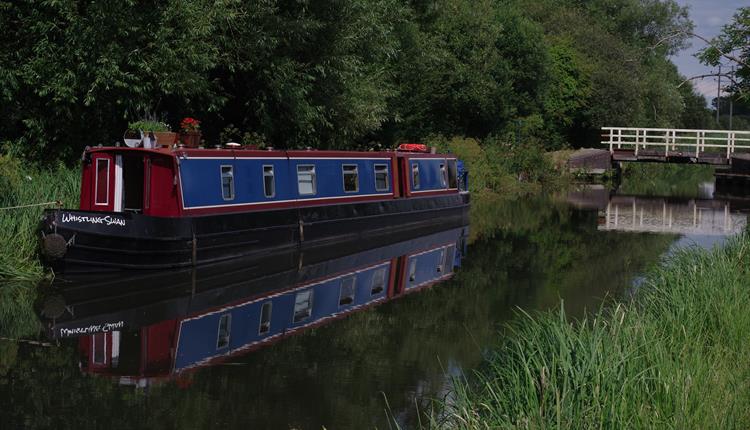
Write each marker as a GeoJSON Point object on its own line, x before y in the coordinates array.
{"type": "Point", "coordinates": [23, 185]}
{"type": "Point", "coordinates": [675, 356]}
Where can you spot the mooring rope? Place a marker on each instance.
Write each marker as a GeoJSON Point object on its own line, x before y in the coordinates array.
{"type": "Point", "coordinates": [56, 202]}
{"type": "Point", "coordinates": [28, 341]}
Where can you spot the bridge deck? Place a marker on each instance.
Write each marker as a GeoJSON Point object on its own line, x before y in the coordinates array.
{"type": "Point", "coordinates": [661, 156]}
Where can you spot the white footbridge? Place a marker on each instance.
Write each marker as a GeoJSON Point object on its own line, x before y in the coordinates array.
{"type": "Point", "coordinates": [718, 147]}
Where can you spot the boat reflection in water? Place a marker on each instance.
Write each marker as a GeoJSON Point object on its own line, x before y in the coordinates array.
{"type": "Point", "coordinates": [146, 327]}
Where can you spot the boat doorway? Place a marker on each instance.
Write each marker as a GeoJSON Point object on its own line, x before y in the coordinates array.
{"type": "Point", "coordinates": [132, 172]}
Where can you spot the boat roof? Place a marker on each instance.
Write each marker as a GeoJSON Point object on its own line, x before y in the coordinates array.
{"type": "Point", "coordinates": [183, 152]}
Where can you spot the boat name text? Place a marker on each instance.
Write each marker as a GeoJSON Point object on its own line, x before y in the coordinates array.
{"type": "Point", "coordinates": [94, 328]}
{"type": "Point", "coordinates": [107, 220]}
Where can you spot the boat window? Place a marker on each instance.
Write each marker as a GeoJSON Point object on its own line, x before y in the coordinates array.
{"type": "Point", "coordinates": [302, 305]}
{"type": "Point", "coordinates": [443, 175]}
{"type": "Point", "coordinates": [415, 175]}
{"type": "Point", "coordinates": [378, 281]}
{"type": "Point", "coordinates": [452, 174]}
{"type": "Point", "coordinates": [413, 270]}
{"type": "Point", "coordinates": [98, 344]}
{"type": "Point", "coordinates": [227, 182]}
{"type": "Point", "coordinates": [346, 295]}
{"type": "Point", "coordinates": [441, 261]}
{"type": "Point", "coordinates": [265, 318]}
{"type": "Point", "coordinates": [381, 178]}
{"type": "Point", "coordinates": [306, 180]}
{"type": "Point", "coordinates": [102, 181]}
{"type": "Point", "coordinates": [225, 329]}
{"type": "Point", "coordinates": [269, 185]}
{"type": "Point", "coordinates": [351, 178]}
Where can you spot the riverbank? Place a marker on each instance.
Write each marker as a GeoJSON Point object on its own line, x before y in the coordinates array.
{"type": "Point", "coordinates": [23, 185]}
{"type": "Point", "coordinates": [674, 356]}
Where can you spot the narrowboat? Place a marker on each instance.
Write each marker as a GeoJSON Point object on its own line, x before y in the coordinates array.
{"type": "Point", "coordinates": [171, 207]}
{"type": "Point", "coordinates": [237, 307]}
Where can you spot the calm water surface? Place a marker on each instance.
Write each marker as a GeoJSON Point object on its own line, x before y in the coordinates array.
{"type": "Point", "coordinates": [385, 362]}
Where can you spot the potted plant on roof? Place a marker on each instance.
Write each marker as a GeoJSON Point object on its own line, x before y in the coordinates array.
{"type": "Point", "coordinates": [190, 134]}
{"type": "Point", "coordinates": [159, 130]}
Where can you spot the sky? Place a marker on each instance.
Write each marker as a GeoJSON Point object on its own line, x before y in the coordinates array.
{"type": "Point", "coordinates": [709, 17]}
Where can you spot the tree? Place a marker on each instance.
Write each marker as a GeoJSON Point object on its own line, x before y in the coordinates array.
{"type": "Point", "coordinates": [733, 44]}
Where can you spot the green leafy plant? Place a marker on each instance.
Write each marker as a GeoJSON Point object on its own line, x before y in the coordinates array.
{"type": "Point", "coordinates": [149, 125]}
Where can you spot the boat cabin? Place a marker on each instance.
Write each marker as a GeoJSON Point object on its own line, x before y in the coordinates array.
{"type": "Point", "coordinates": [168, 182]}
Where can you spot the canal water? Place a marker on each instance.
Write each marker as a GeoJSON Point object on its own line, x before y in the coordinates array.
{"type": "Point", "coordinates": [373, 367]}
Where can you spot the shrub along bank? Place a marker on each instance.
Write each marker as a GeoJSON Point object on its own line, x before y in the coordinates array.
{"type": "Point", "coordinates": [674, 356]}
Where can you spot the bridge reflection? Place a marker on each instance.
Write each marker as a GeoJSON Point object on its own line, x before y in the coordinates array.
{"type": "Point", "coordinates": [707, 217]}
{"type": "Point", "coordinates": [660, 215]}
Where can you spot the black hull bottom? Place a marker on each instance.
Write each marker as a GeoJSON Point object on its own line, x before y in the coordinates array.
{"type": "Point", "coordinates": [101, 241]}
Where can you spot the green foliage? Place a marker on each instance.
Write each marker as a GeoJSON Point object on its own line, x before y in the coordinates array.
{"type": "Point", "coordinates": [467, 68]}
{"type": "Point", "coordinates": [695, 115]}
{"type": "Point", "coordinates": [78, 68]}
{"type": "Point", "coordinates": [507, 168]}
{"type": "Point", "coordinates": [614, 71]}
{"type": "Point", "coordinates": [733, 45]}
{"type": "Point", "coordinates": [567, 95]}
{"type": "Point", "coordinates": [672, 357]}
{"type": "Point", "coordinates": [335, 73]}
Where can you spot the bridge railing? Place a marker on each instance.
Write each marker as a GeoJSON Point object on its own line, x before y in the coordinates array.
{"type": "Point", "coordinates": [672, 140]}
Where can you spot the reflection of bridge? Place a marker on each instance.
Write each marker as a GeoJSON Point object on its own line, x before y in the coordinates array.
{"type": "Point", "coordinates": [676, 145]}
{"type": "Point", "coordinates": [660, 215]}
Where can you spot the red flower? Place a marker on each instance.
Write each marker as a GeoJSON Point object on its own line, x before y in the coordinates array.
{"type": "Point", "coordinates": [190, 124]}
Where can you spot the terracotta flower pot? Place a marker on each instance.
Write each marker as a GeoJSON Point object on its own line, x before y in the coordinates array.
{"type": "Point", "coordinates": [190, 139]}
{"type": "Point", "coordinates": [165, 138]}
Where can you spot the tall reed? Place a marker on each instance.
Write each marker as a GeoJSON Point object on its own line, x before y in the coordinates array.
{"type": "Point", "coordinates": [22, 185]}
{"type": "Point", "coordinates": [674, 356]}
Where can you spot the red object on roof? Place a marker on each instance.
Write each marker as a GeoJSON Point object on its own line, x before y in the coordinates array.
{"type": "Point", "coordinates": [413, 147]}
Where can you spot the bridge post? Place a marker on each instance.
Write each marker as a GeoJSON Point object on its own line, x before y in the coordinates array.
{"type": "Point", "coordinates": [698, 140]}
{"type": "Point", "coordinates": [637, 133]}
{"type": "Point", "coordinates": [729, 145]}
